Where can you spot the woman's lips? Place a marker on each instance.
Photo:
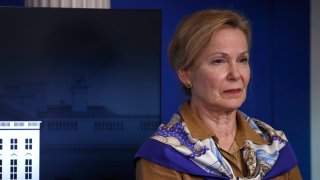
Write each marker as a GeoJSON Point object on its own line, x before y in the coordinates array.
{"type": "Point", "coordinates": [232, 91]}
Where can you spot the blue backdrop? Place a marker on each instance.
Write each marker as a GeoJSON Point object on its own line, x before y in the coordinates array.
{"type": "Point", "coordinates": [279, 89]}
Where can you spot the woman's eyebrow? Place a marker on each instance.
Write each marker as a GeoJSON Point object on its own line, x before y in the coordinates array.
{"type": "Point", "coordinates": [244, 53]}
{"type": "Point", "coordinates": [218, 53]}
{"type": "Point", "coordinates": [225, 55]}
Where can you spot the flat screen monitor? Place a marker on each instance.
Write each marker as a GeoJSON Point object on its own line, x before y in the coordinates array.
{"type": "Point", "coordinates": [92, 77]}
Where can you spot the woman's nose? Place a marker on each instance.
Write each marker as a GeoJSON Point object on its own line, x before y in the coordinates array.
{"type": "Point", "coordinates": [233, 73]}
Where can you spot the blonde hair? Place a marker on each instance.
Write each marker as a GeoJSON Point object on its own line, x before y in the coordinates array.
{"type": "Point", "coordinates": [194, 33]}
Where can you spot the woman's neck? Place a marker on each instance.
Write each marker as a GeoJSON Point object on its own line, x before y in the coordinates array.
{"type": "Point", "coordinates": [221, 122]}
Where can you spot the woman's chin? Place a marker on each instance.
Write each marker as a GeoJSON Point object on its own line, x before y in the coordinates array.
{"type": "Point", "coordinates": [233, 105]}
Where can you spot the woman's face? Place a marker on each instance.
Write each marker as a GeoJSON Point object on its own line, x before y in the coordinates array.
{"type": "Point", "coordinates": [221, 74]}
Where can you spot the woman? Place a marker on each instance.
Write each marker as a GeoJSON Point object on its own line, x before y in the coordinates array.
{"type": "Point", "coordinates": [209, 138]}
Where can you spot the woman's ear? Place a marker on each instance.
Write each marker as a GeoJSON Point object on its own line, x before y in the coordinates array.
{"type": "Point", "coordinates": [184, 75]}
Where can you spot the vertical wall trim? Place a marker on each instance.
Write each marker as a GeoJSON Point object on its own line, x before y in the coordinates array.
{"type": "Point", "coordinates": [315, 88]}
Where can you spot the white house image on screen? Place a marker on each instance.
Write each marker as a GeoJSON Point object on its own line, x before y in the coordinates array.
{"type": "Point", "coordinates": [19, 150]}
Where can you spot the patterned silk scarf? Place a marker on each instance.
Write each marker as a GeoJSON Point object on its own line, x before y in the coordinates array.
{"type": "Point", "coordinates": [205, 153]}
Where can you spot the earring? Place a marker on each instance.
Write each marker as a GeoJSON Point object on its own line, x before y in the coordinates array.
{"type": "Point", "coordinates": [188, 85]}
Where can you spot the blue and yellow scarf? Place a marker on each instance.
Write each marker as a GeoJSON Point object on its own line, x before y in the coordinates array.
{"type": "Point", "coordinates": [173, 146]}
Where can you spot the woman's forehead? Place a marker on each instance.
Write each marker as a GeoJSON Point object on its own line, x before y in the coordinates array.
{"type": "Point", "coordinates": [226, 39]}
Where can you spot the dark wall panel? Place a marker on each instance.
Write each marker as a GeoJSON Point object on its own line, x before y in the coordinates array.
{"type": "Point", "coordinates": [291, 76]}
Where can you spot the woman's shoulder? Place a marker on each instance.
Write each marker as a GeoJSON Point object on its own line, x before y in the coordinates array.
{"type": "Point", "coordinates": [266, 131]}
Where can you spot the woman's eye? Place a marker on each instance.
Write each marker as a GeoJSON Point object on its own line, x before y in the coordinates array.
{"type": "Point", "coordinates": [218, 61]}
{"type": "Point", "coordinates": [244, 60]}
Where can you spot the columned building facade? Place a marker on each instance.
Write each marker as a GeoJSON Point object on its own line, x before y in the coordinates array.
{"type": "Point", "coordinates": [19, 149]}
